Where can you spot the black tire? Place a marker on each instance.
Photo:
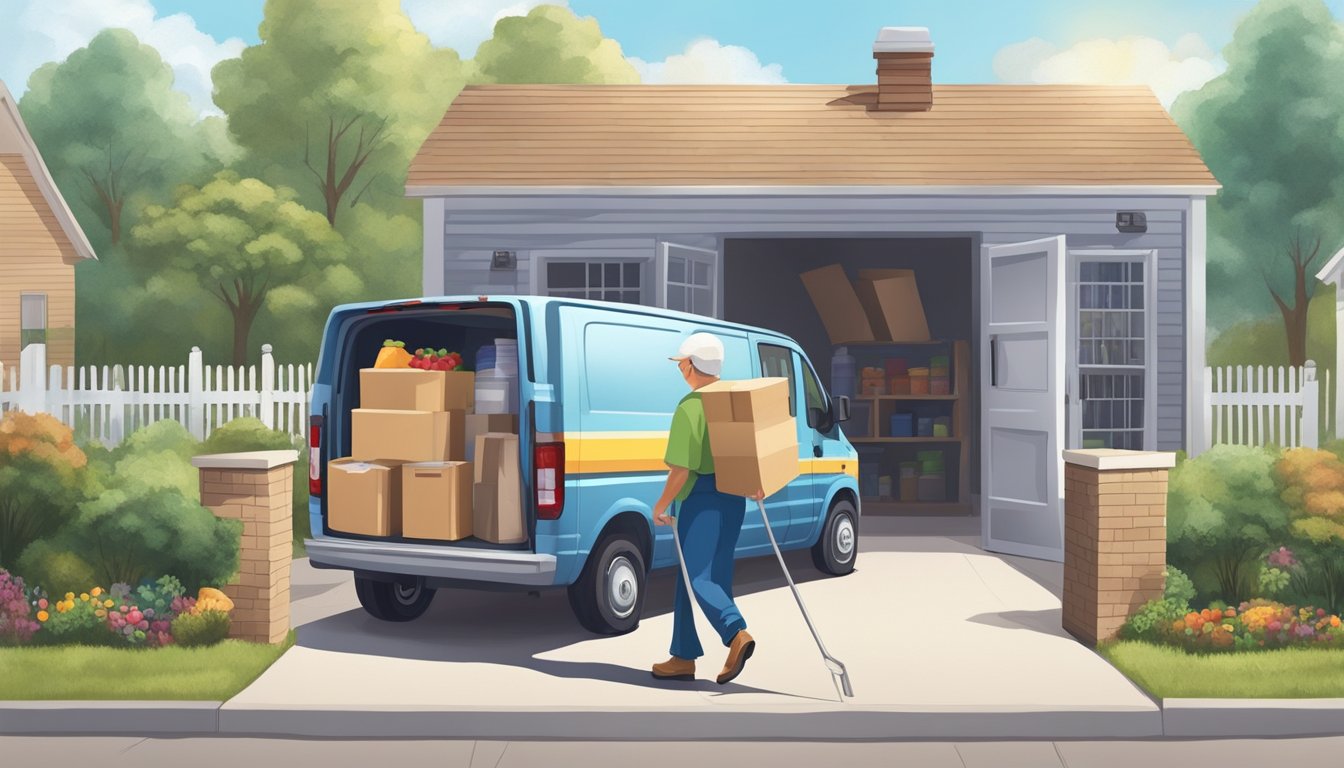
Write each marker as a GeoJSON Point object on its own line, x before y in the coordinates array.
{"type": "Point", "coordinates": [608, 598]}
{"type": "Point", "coordinates": [837, 548]}
{"type": "Point", "coordinates": [400, 600]}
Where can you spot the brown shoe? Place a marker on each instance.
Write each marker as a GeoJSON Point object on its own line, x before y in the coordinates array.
{"type": "Point", "coordinates": [675, 669]}
{"type": "Point", "coordinates": [739, 650]}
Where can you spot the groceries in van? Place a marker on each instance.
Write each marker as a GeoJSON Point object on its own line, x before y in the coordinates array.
{"type": "Point", "coordinates": [436, 360]}
{"type": "Point", "coordinates": [392, 355]}
{"type": "Point", "coordinates": [497, 377]}
{"type": "Point", "coordinates": [498, 504]}
{"type": "Point", "coordinates": [436, 500]}
{"type": "Point", "coordinates": [363, 497]}
{"type": "Point", "coordinates": [407, 435]}
{"type": "Point", "coordinates": [753, 437]}
{"type": "Point", "coordinates": [480, 423]}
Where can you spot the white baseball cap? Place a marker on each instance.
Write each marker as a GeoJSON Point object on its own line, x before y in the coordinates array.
{"type": "Point", "coordinates": [705, 352]}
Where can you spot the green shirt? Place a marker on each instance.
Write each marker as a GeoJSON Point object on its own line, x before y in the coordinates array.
{"type": "Point", "coordinates": [688, 442]}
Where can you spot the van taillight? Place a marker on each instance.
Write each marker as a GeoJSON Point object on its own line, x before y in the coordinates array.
{"type": "Point", "coordinates": [548, 460]}
{"type": "Point", "coordinates": [315, 457]}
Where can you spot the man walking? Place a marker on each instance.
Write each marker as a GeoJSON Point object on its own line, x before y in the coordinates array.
{"type": "Point", "coordinates": [708, 523]}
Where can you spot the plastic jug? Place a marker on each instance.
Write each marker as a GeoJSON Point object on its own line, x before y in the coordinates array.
{"type": "Point", "coordinates": [843, 367]}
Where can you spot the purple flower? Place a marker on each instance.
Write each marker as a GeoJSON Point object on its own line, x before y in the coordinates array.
{"type": "Point", "coordinates": [1283, 558]}
{"type": "Point", "coordinates": [1305, 630]}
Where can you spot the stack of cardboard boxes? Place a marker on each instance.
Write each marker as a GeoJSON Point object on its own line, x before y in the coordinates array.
{"type": "Point", "coordinates": [882, 305]}
{"type": "Point", "coordinates": [752, 435]}
{"type": "Point", "coordinates": [408, 473]}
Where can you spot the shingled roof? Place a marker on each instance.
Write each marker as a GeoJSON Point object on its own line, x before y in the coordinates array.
{"type": "Point", "coordinates": [528, 136]}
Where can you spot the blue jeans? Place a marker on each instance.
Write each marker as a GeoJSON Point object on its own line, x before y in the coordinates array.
{"type": "Point", "coordinates": [709, 524]}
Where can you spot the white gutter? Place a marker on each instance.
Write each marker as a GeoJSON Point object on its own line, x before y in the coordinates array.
{"type": "Point", "coordinates": [834, 190]}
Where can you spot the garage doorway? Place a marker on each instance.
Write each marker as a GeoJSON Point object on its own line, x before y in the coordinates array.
{"type": "Point", "coordinates": [761, 286]}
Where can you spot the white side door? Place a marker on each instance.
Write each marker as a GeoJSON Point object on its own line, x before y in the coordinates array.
{"type": "Point", "coordinates": [1022, 349]}
{"type": "Point", "coordinates": [688, 279]}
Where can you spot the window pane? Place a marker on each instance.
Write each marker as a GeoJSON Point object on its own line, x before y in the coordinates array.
{"type": "Point", "coordinates": [700, 302]}
{"type": "Point", "coordinates": [613, 275]}
{"type": "Point", "coordinates": [812, 389]}
{"type": "Point", "coordinates": [1117, 325]}
{"type": "Point", "coordinates": [778, 361]}
{"type": "Point", "coordinates": [631, 276]}
{"type": "Point", "coordinates": [1118, 297]}
{"type": "Point", "coordinates": [1087, 272]}
{"type": "Point", "coordinates": [676, 298]}
{"type": "Point", "coordinates": [564, 274]}
{"type": "Point", "coordinates": [630, 297]}
{"type": "Point", "coordinates": [1136, 353]}
{"type": "Point", "coordinates": [611, 296]}
{"type": "Point", "coordinates": [676, 269]}
{"type": "Point", "coordinates": [1112, 272]}
{"type": "Point", "coordinates": [594, 275]}
{"type": "Point", "coordinates": [701, 271]}
{"type": "Point", "coordinates": [1136, 297]}
{"type": "Point", "coordinates": [1136, 272]}
{"type": "Point", "coordinates": [33, 311]}
{"type": "Point", "coordinates": [1136, 325]}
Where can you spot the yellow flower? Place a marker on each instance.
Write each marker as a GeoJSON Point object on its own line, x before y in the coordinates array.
{"type": "Point", "coordinates": [84, 597]}
{"type": "Point", "coordinates": [1227, 627]}
{"type": "Point", "coordinates": [100, 613]}
{"type": "Point", "coordinates": [43, 615]}
{"type": "Point", "coordinates": [69, 595]}
{"type": "Point", "coordinates": [107, 603]}
{"type": "Point", "coordinates": [96, 591]}
{"type": "Point", "coordinates": [1334, 621]}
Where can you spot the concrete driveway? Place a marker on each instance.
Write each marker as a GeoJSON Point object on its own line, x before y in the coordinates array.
{"type": "Point", "coordinates": [941, 639]}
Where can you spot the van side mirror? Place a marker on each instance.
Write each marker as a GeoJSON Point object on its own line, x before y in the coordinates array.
{"type": "Point", "coordinates": [840, 409]}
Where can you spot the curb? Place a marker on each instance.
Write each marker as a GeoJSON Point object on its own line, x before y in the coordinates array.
{"type": "Point", "coordinates": [1252, 718]}
{"type": "Point", "coordinates": [91, 718]}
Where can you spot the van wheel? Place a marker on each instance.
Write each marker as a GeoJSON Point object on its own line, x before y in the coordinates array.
{"type": "Point", "coordinates": [838, 547]}
{"type": "Point", "coordinates": [608, 598]}
{"type": "Point", "coordinates": [404, 599]}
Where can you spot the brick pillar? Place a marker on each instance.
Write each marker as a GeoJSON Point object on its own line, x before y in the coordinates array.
{"type": "Point", "coordinates": [1115, 537]}
{"type": "Point", "coordinates": [256, 488]}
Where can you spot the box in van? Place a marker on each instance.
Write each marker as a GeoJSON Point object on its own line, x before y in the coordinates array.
{"type": "Point", "coordinates": [366, 497]}
{"type": "Point", "coordinates": [499, 507]}
{"type": "Point", "coordinates": [413, 389]}
{"type": "Point", "coordinates": [408, 435]}
{"type": "Point", "coordinates": [480, 423]}
{"type": "Point", "coordinates": [436, 500]}
{"type": "Point", "coordinates": [593, 394]}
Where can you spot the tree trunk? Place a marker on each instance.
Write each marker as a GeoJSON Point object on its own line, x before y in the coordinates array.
{"type": "Point", "coordinates": [114, 216]}
{"type": "Point", "coordinates": [243, 316]}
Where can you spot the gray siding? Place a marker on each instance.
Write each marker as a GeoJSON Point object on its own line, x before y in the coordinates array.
{"type": "Point", "coordinates": [630, 227]}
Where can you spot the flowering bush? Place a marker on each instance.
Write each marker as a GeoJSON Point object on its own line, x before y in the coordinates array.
{"type": "Point", "coordinates": [16, 625]}
{"type": "Point", "coordinates": [74, 619]}
{"type": "Point", "coordinates": [1252, 625]}
{"type": "Point", "coordinates": [140, 617]}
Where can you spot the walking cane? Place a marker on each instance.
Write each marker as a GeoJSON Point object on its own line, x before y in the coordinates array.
{"type": "Point", "coordinates": [838, 674]}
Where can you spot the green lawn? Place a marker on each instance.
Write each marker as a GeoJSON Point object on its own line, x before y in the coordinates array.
{"type": "Point", "coordinates": [214, 673]}
{"type": "Point", "coordinates": [1171, 673]}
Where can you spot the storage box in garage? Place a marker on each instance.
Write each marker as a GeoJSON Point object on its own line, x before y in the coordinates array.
{"type": "Point", "coordinates": [751, 434]}
{"type": "Point", "coordinates": [364, 497]}
{"type": "Point", "coordinates": [890, 300]}
{"type": "Point", "coordinates": [497, 494]}
{"type": "Point", "coordinates": [412, 389]}
{"type": "Point", "coordinates": [436, 500]}
{"type": "Point", "coordinates": [837, 304]}
{"type": "Point", "coordinates": [407, 435]}
{"type": "Point", "coordinates": [480, 423]}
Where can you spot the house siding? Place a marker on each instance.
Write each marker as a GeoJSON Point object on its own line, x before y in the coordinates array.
{"type": "Point", "coordinates": [544, 227]}
{"type": "Point", "coordinates": [35, 257]}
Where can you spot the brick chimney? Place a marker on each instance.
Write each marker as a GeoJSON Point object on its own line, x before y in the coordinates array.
{"type": "Point", "coordinates": [904, 69]}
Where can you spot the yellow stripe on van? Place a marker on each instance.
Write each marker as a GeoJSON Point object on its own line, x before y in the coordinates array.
{"type": "Point", "coordinates": [608, 452]}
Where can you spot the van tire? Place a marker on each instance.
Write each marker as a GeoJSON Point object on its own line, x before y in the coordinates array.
{"type": "Point", "coordinates": [404, 599]}
{"type": "Point", "coordinates": [837, 548]}
{"type": "Point", "coordinates": [608, 598]}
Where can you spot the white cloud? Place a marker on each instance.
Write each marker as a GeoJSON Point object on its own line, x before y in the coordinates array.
{"type": "Point", "coordinates": [1186, 66]}
{"type": "Point", "coordinates": [706, 60]}
{"type": "Point", "coordinates": [43, 31]}
{"type": "Point", "coordinates": [465, 24]}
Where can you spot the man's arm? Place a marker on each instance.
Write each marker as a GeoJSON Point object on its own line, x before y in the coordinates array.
{"type": "Point", "coordinates": [676, 480]}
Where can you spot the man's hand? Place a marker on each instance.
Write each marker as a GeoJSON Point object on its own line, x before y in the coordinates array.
{"type": "Point", "coordinates": [759, 495]}
{"type": "Point", "coordinates": [662, 518]}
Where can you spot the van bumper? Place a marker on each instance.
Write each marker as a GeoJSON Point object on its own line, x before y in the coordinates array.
{"type": "Point", "coordinates": [523, 568]}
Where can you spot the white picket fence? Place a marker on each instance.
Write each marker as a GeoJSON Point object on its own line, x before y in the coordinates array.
{"type": "Point", "coordinates": [1259, 405]}
{"type": "Point", "coordinates": [110, 402]}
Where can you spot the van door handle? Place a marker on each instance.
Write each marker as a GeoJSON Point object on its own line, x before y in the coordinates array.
{"type": "Point", "coordinates": [816, 451]}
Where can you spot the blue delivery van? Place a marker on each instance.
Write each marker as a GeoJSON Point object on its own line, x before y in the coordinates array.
{"type": "Point", "coordinates": [595, 396]}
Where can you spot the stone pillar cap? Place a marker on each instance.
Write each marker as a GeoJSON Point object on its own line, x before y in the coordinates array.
{"type": "Point", "coordinates": [1114, 458]}
{"type": "Point", "coordinates": [248, 460]}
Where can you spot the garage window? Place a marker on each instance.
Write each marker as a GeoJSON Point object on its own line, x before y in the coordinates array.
{"type": "Point", "coordinates": [603, 280]}
{"type": "Point", "coordinates": [32, 319]}
{"type": "Point", "coordinates": [1113, 352]}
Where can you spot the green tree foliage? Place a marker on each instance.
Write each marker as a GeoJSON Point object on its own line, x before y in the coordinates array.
{"type": "Point", "coordinates": [1269, 130]}
{"type": "Point", "coordinates": [41, 478]}
{"type": "Point", "coordinates": [551, 45]}
{"type": "Point", "coordinates": [1223, 512]}
{"type": "Point", "coordinates": [336, 98]}
{"type": "Point", "coordinates": [251, 246]}
{"type": "Point", "coordinates": [249, 434]}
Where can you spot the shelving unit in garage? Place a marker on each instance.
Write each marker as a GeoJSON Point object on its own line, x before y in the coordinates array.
{"type": "Point", "coordinates": [871, 426]}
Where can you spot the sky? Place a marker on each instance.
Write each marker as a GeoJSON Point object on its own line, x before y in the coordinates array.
{"type": "Point", "coordinates": [1170, 46]}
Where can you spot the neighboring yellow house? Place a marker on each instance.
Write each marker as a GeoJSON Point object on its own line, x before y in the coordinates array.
{"type": "Point", "coordinates": [40, 244]}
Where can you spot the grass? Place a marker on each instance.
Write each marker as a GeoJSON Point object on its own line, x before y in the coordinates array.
{"type": "Point", "coordinates": [213, 673]}
{"type": "Point", "coordinates": [1288, 673]}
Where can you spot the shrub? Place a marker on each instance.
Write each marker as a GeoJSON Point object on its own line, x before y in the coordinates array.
{"type": "Point", "coordinates": [1223, 511]}
{"type": "Point", "coordinates": [128, 534]}
{"type": "Point", "coordinates": [16, 623]}
{"type": "Point", "coordinates": [76, 619]}
{"type": "Point", "coordinates": [197, 629]}
{"type": "Point", "coordinates": [57, 570]}
{"type": "Point", "coordinates": [41, 479]}
{"type": "Point", "coordinates": [1312, 483]}
{"type": "Point", "coordinates": [1149, 622]}
{"type": "Point", "coordinates": [249, 434]}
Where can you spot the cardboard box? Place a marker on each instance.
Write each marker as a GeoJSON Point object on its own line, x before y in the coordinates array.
{"type": "Point", "coordinates": [839, 307]}
{"type": "Point", "coordinates": [407, 435]}
{"type": "Point", "coordinates": [761, 401]}
{"type": "Point", "coordinates": [411, 389]}
{"type": "Point", "coordinates": [743, 438]}
{"type": "Point", "coordinates": [480, 423]}
{"type": "Point", "coordinates": [890, 299]}
{"type": "Point", "coordinates": [498, 504]}
{"type": "Point", "coordinates": [364, 497]}
{"type": "Point", "coordinates": [742, 475]}
{"type": "Point", "coordinates": [436, 500]}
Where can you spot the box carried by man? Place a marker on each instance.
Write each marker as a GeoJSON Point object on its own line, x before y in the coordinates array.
{"type": "Point", "coordinates": [752, 435]}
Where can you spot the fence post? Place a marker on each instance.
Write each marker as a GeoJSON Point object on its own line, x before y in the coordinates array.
{"type": "Point", "coordinates": [195, 395]}
{"type": "Point", "coordinates": [1310, 428]}
{"type": "Point", "coordinates": [32, 379]}
{"type": "Point", "coordinates": [267, 387]}
{"type": "Point", "coordinates": [1204, 439]}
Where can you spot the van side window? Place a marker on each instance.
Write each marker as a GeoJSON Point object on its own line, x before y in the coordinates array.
{"type": "Point", "coordinates": [778, 361]}
{"type": "Point", "coordinates": [811, 388]}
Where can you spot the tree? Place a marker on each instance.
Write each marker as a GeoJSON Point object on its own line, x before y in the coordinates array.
{"type": "Point", "coordinates": [245, 243]}
{"type": "Point", "coordinates": [1304, 285]}
{"type": "Point", "coordinates": [110, 126]}
{"type": "Point", "coordinates": [41, 477]}
{"type": "Point", "coordinates": [1268, 128]}
{"type": "Point", "coordinates": [336, 98]}
{"type": "Point", "coordinates": [551, 45]}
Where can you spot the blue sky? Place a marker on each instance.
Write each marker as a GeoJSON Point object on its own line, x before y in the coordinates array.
{"type": "Point", "coordinates": [1170, 46]}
